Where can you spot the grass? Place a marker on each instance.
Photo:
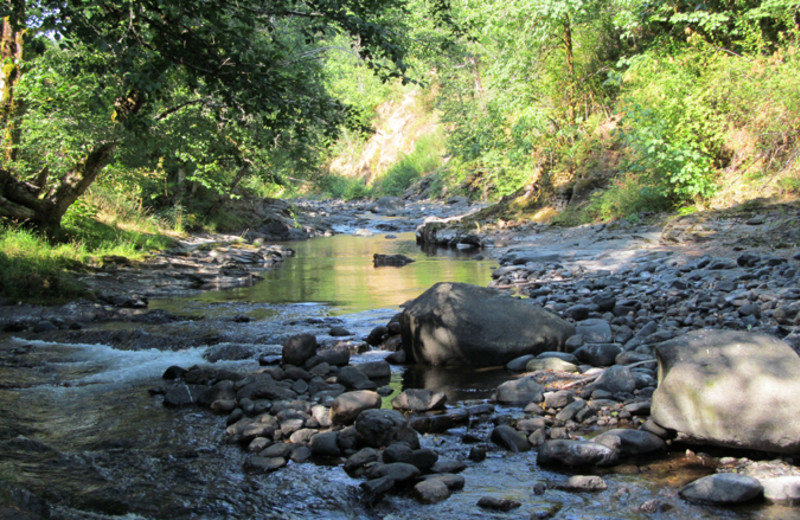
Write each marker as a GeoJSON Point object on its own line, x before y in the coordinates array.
{"type": "Point", "coordinates": [33, 269]}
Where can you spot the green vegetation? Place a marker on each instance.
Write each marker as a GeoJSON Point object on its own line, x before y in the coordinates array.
{"type": "Point", "coordinates": [35, 269]}
{"type": "Point", "coordinates": [145, 115]}
{"type": "Point", "coordinates": [613, 109]}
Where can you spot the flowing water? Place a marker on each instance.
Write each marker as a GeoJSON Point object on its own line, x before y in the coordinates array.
{"type": "Point", "coordinates": [80, 429]}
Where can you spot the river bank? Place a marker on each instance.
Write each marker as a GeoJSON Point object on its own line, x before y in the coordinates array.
{"type": "Point", "coordinates": [726, 283]}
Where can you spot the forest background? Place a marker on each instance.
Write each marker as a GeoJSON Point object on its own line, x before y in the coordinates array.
{"type": "Point", "coordinates": [124, 121]}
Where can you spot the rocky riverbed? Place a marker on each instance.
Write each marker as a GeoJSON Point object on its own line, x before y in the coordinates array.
{"type": "Point", "coordinates": [583, 408]}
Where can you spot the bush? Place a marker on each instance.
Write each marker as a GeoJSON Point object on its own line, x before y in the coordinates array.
{"type": "Point", "coordinates": [423, 160]}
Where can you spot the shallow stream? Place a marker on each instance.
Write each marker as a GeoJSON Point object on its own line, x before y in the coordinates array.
{"type": "Point", "coordinates": [80, 430]}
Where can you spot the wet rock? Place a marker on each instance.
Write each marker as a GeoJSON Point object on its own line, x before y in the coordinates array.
{"type": "Point", "coordinates": [616, 379]}
{"type": "Point", "coordinates": [729, 388]}
{"type": "Point", "coordinates": [782, 490]}
{"type": "Point", "coordinates": [339, 332]}
{"type": "Point", "coordinates": [353, 378]}
{"type": "Point", "coordinates": [460, 324]}
{"type": "Point", "coordinates": [498, 504]}
{"type": "Point", "coordinates": [510, 439]}
{"type": "Point", "coordinates": [722, 489]}
{"type": "Point", "coordinates": [448, 466]}
{"type": "Point", "coordinates": [558, 399]}
{"type": "Point", "coordinates": [655, 506]}
{"type": "Point", "coordinates": [399, 472]}
{"type": "Point", "coordinates": [182, 395]}
{"type": "Point", "coordinates": [347, 406]}
{"type": "Point", "coordinates": [564, 452]}
{"type": "Point", "coordinates": [297, 349]}
{"type": "Point", "coordinates": [598, 354]}
{"type": "Point", "coordinates": [452, 481]}
{"type": "Point", "coordinates": [325, 445]}
{"type": "Point", "coordinates": [223, 406]}
{"type": "Point", "coordinates": [518, 364]}
{"type": "Point", "coordinates": [378, 428]}
{"type": "Point", "coordinates": [424, 458]}
{"type": "Point", "coordinates": [376, 370]}
{"type": "Point", "coordinates": [631, 442]}
{"type": "Point", "coordinates": [257, 463]}
{"type": "Point", "coordinates": [222, 390]}
{"type": "Point", "coordinates": [583, 483]}
{"type": "Point", "coordinates": [440, 422]}
{"type": "Point", "coordinates": [594, 330]}
{"type": "Point", "coordinates": [551, 363]}
{"type": "Point", "coordinates": [419, 400]}
{"type": "Point", "coordinates": [379, 260]}
{"type": "Point", "coordinates": [358, 460]}
{"type": "Point", "coordinates": [174, 372]}
{"type": "Point", "coordinates": [229, 352]}
{"type": "Point", "coordinates": [571, 410]}
{"type": "Point", "coordinates": [520, 391]}
{"type": "Point", "coordinates": [431, 491]}
{"type": "Point", "coordinates": [377, 335]}
{"type": "Point", "coordinates": [374, 489]}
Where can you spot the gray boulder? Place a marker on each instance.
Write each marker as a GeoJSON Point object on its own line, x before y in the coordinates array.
{"type": "Point", "coordinates": [297, 349]}
{"type": "Point", "coordinates": [520, 391]}
{"type": "Point", "coordinates": [419, 400]}
{"type": "Point", "coordinates": [347, 406]}
{"type": "Point", "coordinates": [594, 330]}
{"type": "Point", "coordinates": [510, 439]}
{"type": "Point", "coordinates": [565, 452]}
{"type": "Point", "coordinates": [631, 442]}
{"type": "Point", "coordinates": [729, 388]}
{"type": "Point", "coordinates": [722, 489]}
{"type": "Point", "coordinates": [378, 428]}
{"type": "Point", "coordinates": [783, 490]}
{"type": "Point", "coordinates": [459, 324]}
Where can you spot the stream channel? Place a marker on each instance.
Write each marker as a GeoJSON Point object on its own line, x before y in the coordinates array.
{"type": "Point", "coordinates": [80, 429]}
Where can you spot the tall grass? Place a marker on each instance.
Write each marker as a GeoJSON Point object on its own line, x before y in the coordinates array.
{"type": "Point", "coordinates": [35, 269]}
{"type": "Point", "coordinates": [423, 160]}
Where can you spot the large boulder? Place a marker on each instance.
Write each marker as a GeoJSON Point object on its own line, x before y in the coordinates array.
{"type": "Point", "coordinates": [729, 388]}
{"type": "Point", "coordinates": [457, 324]}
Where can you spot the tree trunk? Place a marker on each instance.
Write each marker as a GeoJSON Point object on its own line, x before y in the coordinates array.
{"type": "Point", "coordinates": [20, 200]}
{"type": "Point", "coordinates": [570, 59]}
{"type": "Point", "coordinates": [11, 106]}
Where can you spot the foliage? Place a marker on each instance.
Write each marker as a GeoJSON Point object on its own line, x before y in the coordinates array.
{"type": "Point", "coordinates": [198, 92]}
{"type": "Point", "coordinates": [423, 160]}
{"type": "Point", "coordinates": [33, 269]}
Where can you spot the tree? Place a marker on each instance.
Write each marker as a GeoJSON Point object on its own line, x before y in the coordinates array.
{"type": "Point", "coordinates": [253, 64]}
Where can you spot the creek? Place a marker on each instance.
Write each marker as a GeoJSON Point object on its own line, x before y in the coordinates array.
{"type": "Point", "coordinates": [80, 429]}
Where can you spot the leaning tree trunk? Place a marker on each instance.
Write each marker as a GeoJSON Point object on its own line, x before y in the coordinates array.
{"type": "Point", "coordinates": [26, 202]}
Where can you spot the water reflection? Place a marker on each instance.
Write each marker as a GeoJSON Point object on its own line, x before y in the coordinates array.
{"type": "Point", "coordinates": [458, 383]}
{"type": "Point", "coordinates": [338, 271]}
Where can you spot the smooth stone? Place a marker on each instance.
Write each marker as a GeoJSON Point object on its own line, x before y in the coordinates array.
{"type": "Point", "coordinates": [498, 504]}
{"type": "Point", "coordinates": [722, 489]}
{"type": "Point", "coordinates": [297, 349]}
{"type": "Point", "coordinates": [460, 324]}
{"type": "Point", "coordinates": [782, 490]}
{"type": "Point", "coordinates": [594, 330]}
{"type": "Point", "coordinates": [583, 483]}
{"type": "Point", "coordinates": [565, 452]}
{"type": "Point", "coordinates": [520, 391]}
{"type": "Point", "coordinates": [419, 400]}
{"type": "Point", "coordinates": [431, 491]}
{"type": "Point", "coordinates": [510, 439]}
{"type": "Point", "coordinates": [347, 406]}
{"type": "Point", "coordinates": [325, 444]}
{"type": "Point", "coordinates": [729, 388]}
{"type": "Point", "coordinates": [551, 363]}
{"type": "Point", "coordinates": [631, 442]}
